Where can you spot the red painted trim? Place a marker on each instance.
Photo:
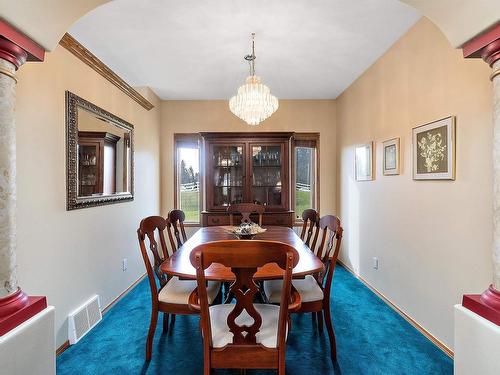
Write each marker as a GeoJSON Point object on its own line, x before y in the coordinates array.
{"type": "Point", "coordinates": [12, 52]}
{"type": "Point", "coordinates": [486, 305]}
{"type": "Point", "coordinates": [12, 303]}
{"type": "Point", "coordinates": [475, 46]}
{"type": "Point", "coordinates": [32, 306]}
{"type": "Point", "coordinates": [34, 51]}
{"type": "Point", "coordinates": [491, 52]}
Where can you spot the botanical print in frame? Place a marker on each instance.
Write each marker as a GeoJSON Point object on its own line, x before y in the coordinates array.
{"type": "Point", "coordinates": [363, 162]}
{"type": "Point", "coordinates": [434, 150]}
{"type": "Point", "coordinates": [391, 156]}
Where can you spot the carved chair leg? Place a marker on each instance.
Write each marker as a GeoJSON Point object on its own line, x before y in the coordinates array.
{"type": "Point", "coordinates": [320, 320]}
{"type": "Point", "coordinates": [165, 322]}
{"type": "Point", "coordinates": [151, 333]}
{"type": "Point", "coordinates": [207, 365]}
{"type": "Point", "coordinates": [281, 364]}
{"type": "Point", "coordinates": [329, 328]}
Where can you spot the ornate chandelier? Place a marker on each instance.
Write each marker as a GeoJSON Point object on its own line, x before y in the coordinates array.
{"type": "Point", "coordinates": [253, 102]}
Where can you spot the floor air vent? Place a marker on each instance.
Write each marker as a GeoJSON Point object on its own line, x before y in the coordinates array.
{"type": "Point", "coordinates": [83, 319]}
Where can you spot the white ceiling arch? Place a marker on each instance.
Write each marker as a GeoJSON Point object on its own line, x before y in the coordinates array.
{"type": "Point", "coordinates": [47, 21]}
{"type": "Point", "coordinates": [194, 49]}
{"type": "Point", "coordinates": [460, 20]}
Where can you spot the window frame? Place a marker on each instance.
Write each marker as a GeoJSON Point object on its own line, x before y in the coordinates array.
{"type": "Point", "coordinates": [305, 140]}
{"type": "Point", "coordinates": [181, 139]}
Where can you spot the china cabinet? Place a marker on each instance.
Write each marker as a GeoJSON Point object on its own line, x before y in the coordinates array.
{"type": "Point", "coordinates": [247, 167]}
{"type": "Point", "coordinates": [95, 151]}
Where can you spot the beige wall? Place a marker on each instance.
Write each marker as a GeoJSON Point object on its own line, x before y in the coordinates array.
{"type": "Point", "coordinates": [432, 238]}
{"type": "Point", "coordinates": [69, 256]}
{"type": "Point", "coordinates": [214, 115]}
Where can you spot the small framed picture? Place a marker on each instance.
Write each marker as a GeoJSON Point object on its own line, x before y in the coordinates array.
{"type": "Point", "coordinates": [434, 150]}
{"type": "Point", "coordinates": [363, 162]}
{"type": "Point", "coordinates": [391, 157]}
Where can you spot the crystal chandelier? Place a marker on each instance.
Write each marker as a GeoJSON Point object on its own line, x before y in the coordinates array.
{"type": "Point", "coordinates": [254, 102]}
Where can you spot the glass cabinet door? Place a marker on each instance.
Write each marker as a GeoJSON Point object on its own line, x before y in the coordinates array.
{"type": "Point", "coordinates": [88, 168]}
{"type": "Point", "coordinates": [228, 174]}
{"type": "Point", "coordinates": [267, 174]}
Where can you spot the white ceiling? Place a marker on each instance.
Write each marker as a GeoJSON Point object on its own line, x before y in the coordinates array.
{"type": "Point", "coordinates": [193, 49]}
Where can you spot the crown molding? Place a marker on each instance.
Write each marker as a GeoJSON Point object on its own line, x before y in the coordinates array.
{"type": "Point", "coordinates": [82, 53]}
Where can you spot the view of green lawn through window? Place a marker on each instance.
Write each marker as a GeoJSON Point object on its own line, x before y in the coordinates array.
{"type": "Point", "coordinates": [188, 169]}
{"type": "Point", "coordinates": [304, 179]}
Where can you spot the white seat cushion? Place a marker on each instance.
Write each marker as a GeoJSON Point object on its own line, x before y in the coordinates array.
{"type": "Point", "coordinates": [267, 335]}
{"type": "Point", "coordinates": [178, 291]}
{"type": "Point", "coordinates": [308, 289]}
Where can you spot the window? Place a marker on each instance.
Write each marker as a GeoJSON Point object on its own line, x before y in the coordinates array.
{"type": "Point", "coordinates": [306, 172]}
{"type": "Point", "coordinates": [187, 176]}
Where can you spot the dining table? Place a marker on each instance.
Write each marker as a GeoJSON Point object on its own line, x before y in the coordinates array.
{"type": "Point", "coordinates": [179, 263]}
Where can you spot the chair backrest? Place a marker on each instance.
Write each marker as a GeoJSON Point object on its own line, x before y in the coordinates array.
{"type": "Point", "coordinates": [152, 229]}
{"type": "Point", "coordinates": [177, 218]}
{"type": "Point", "coordinates": [244, 257]}
{"type": "Point", "coordinates": [328, 249]}
{"type": "Point", "coordinates": [309, 233]}
{"type": "Point", "coordinates": [245, 209]}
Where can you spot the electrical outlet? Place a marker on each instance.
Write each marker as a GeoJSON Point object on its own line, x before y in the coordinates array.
{"type": "Point", "coordinates": [375, 263]}
{"type": "Point", "coordinates": [124, 264]}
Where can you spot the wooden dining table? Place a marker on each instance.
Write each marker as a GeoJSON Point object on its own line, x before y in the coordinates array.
{"type": "Point", "coordinates": [179, 263]}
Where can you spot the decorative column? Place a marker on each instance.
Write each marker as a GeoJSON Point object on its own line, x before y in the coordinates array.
{"type": "Point", "coordinates": [487, 46]}
{"type": "Point", "coordinates": [15, 305]}
{"type": "Point", "coordinates": [11, 57]}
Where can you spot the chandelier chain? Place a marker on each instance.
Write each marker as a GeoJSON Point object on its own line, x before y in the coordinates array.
{"type": "Point", "coordinates": [251, 58]}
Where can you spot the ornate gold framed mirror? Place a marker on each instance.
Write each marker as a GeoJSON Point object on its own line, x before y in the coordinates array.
{"type": "Point", "coordinates": [99, 155]}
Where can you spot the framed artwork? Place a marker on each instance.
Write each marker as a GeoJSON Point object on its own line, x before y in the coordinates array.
{"type": "Point", "coordinates": [391, 157]}
{"type": "Point", "coordinates": [363, 162]}
{"type": "Point", "coordinates": [434, 150]}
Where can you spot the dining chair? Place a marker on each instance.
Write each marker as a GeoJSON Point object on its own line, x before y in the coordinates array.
{"type": "Point", "coordinates": [315, 290]}
{"type": "Point", "coordinates": [310, 221]}
{"type": "Point", "coordinates": [177, 218]}
{"type": "Point", "coordinates": [245, 209]}
{"type": "Point", "coordinates": [244, 335]}
{"type": "Point", "coordinates": [172, 295]}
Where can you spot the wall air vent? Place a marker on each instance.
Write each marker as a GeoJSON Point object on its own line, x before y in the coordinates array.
{"type": "Point", "coordinates": [83, 319]}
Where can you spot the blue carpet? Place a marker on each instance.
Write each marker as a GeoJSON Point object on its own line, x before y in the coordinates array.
{"type": "Point", "coordinates": [371, 339]}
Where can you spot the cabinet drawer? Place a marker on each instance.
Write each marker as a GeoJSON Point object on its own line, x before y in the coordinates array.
{"type": "Point", "coordinates": [284, 220]}
{"type": "Point", "coordinates": [216, 220]}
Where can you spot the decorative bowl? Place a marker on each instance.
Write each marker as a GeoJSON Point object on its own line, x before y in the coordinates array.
{"type": "Point", "coordinates": [247, 231]}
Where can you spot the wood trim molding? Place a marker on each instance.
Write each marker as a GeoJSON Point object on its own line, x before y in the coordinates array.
{"type": "Point", "coordinates": [66, 345]}
{"type": "Point", "coordinates": [82, 53]}
{"type": "Point", "coordinates": [122, 294]}
{"type": "Point", "coordinates": [405, 316]}
{"type": "Point", "coordinates": [62, 348]}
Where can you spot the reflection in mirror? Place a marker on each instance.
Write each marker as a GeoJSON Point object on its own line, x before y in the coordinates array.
{"type": "Point", "coordinates": [100, 153]}
{"type": "Point", "coordinates": [103, 156]}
